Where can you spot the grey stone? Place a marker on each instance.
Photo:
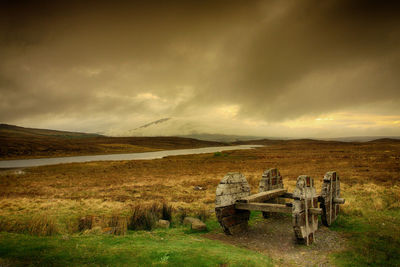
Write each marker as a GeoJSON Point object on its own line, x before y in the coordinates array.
{"type": "Point", "coordinates": [163, 224]}
{"type": "Point", "coordinates": [199, 226]}
{"type": "Point", "coordinates": [198, 188]}
{"type": "Point", "coordinates": [190, 220]}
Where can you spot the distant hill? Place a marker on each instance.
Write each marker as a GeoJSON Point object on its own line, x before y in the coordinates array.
{"type": "Point", "coordinates": [359, 138]}
{"type": "Point", "coordinates": [222, 137]}
{"type": "Point", "coordinates": [21, 142]}
{"type": "Point", "coordinates": [7, 130]}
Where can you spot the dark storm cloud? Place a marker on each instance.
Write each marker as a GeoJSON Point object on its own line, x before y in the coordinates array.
{"type": "Point", "coordinates": [276, 60]}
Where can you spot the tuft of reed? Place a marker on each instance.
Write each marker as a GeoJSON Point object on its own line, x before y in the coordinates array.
{"type": "Point", "coordinates": [143, 217]}
{"type": "Point", "coordinates": [166, 212]}
{"type": "Point", "coordinates": [202, 214]}
{"type": "Point", "coordinates": [182, 213]}
{"type": "Point", "coordinates": [43, 225]}
{"type": "Point", "coordinates": [40, 225]}
{"type": "Point", "coordinates": [119, 225]}
{"type": "Point", "coordinates": [115, 224]}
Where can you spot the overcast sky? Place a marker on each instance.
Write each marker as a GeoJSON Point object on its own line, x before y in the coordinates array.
{"type": "Point", "coordinates": [268, 68]}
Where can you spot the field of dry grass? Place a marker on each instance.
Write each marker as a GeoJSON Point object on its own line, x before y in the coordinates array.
{"type": "Point", "coordinates": [370, 176]}
{"type": "Point", "coordinates": [101, 187]}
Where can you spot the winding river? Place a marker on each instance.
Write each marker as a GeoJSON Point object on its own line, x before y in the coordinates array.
{"type": "Point", "coordinates": [21, 163]}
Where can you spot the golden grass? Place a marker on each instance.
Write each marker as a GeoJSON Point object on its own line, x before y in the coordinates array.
{"type": "Point", "coordinates": [369, 173]}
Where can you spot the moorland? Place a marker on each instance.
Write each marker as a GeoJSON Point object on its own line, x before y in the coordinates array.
{"type": "Point", "coordinates": [20, 142]}
{"type": "Point", "coordinates": [46, 213]}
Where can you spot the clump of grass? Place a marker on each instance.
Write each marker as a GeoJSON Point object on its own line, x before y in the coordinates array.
{"type": "Point", "coordinates": [220, 154]}
{"type": "Point", "coordinates": [11, 225]}
{"type": "Point", "coordinates": [71, 225]}
{"type": "Point", "coordinates": [181, 215]}
{"type": "Point", "coordinates": [87, 222]}
{"type": "Point", "coordinates": [166, 212]}
{"type": "Point", "coordinates": [217, 154]}
{"type": "Point", "coordinates": [40, 225]}
{"type": "Point", "coordinates": [202, 214]}
{"type": "Point", "coordinates": [143, 217]}
{"type": "Point", "coordinates": [119, 225]}
{"type": "Point", "coordinates": [43, 225]}
{"type": "Point", "coordinates": [114, 224]}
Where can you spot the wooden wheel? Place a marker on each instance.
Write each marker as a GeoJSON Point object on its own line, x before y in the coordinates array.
{"type": "Point", "coordinates": [305, 221]}
{"type": "Point", "coordinates": [330, 198]}
{"type": "Point", "coordinates": [271, 179]}
{"type": "Point", "coordinates": [232, 187]}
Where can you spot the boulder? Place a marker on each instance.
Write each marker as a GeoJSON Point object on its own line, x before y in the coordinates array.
{"type": "Point", "coordinates": [199, 226]}
{"type": "Point", "coordinates": [163, 224]}
{"type": "Point", "coordinates": [190, 220]}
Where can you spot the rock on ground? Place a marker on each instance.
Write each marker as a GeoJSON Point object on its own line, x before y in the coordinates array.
{"type": "Point", "coordinates": [163, 224]}
{"type": "Point", "coordinates": [199, 226]}
{"type": "Point", "coordinates": [189, 220]}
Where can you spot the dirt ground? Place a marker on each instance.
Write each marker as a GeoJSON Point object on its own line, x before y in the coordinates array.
{"type": "Point", "coordinates": [274, 236]}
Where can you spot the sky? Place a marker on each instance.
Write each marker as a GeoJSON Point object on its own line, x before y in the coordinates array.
{"type": "Point", "coordinates": [280, 68]}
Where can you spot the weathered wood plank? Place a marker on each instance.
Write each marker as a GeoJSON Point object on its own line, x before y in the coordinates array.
{"type": "Point", "coordinates": [315, 211]}
{"type": "Point", "coordinates": [260, 197]}
{"type": "Point", "coordinates": [287, 195]}
{"type": "Point", "coordinates": [266, 207]}
{"type": "Point", "coordinates": [338, 200]}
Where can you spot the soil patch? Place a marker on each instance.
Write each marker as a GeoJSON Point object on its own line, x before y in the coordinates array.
{"type": "Point", "coordinates": [274, 237]}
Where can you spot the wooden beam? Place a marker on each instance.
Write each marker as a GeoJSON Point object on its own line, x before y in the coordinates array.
{"type": "Point", "coordinates": [316, 211]}
{"type": "Point", "coordinates": [267, 207]}
{"type": "Point", "coordinates": [338, 200]}
{"type": "Point", "coordinates": [260, 197]}
{"type": "Point", "coordinates": [287, 195]}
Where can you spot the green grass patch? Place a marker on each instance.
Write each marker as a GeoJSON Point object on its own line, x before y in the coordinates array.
{"type": "Point", "coordinates": [220, 154]}
{"type": "Point", "coordinates": [374, 239]}
{"type": "Point", "coordinates": [170, 247]}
